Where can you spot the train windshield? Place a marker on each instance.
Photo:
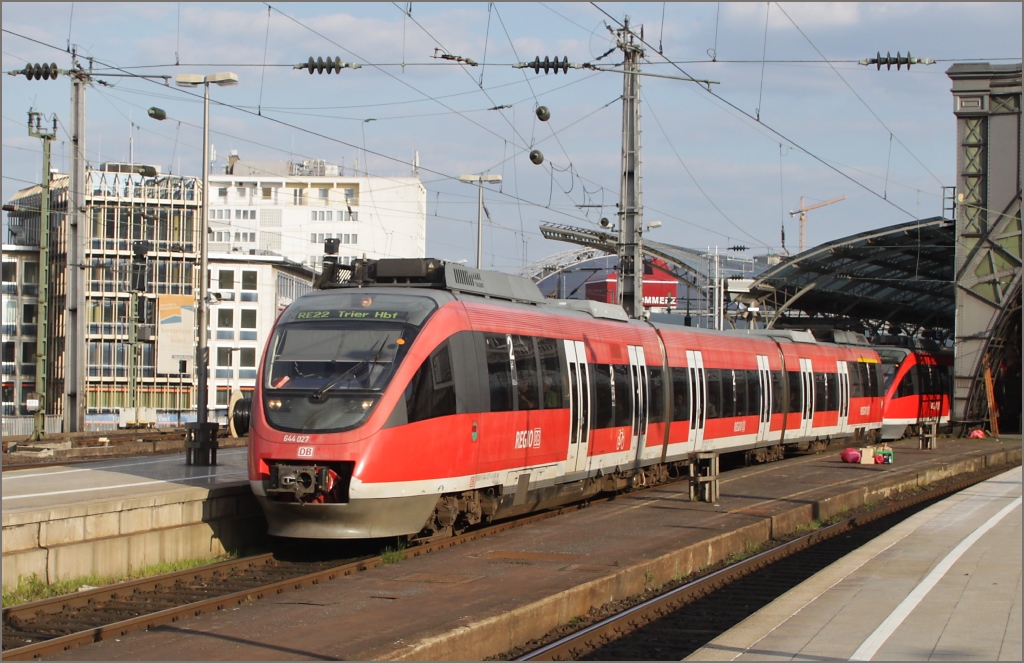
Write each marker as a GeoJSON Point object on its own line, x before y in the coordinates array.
{"type": "Point", "coordinates": [890, 365]}
{"type": "Point", "coordinates": [327, 366]}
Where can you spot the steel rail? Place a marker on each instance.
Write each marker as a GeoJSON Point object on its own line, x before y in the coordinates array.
{"type": "Point", "coordinates": [60, 604]}
{"type": "Point", "coordinates": [578, 644]}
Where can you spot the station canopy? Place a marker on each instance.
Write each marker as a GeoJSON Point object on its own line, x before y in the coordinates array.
{"type": "Point", "coordinates": [901, 275]}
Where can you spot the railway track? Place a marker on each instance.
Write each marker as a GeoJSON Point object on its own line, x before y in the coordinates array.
{"type": "Point", "coordinates": [50, 626]}
{"type": "Point", "coordinates": [82, 448]}
{"type": "Point", "coordinates": [680, 620]}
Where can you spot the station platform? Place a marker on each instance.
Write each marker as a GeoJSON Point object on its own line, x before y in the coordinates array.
{"type": "Point", "coordinates": [108, 517]}
{"type": "Point", "coordinates": [488, 596]}
{"type": "Point", "coordinates": [943, 585]}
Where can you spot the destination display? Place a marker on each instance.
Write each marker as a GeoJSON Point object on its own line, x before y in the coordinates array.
{"type": "Point", "coordinates": [352, 315]}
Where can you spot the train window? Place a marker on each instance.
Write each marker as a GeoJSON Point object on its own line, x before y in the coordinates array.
{"type": "Point", "coordinates": [680, 395]}
{"type": "Point", "coordinates": [832, 391]}
{"type": "Point", "coordinates": [875, 380]}
{"type": "Point", "coordinates": [777, 392]}
{"type": "Point", "coordinates": [888, 373]}
{"type": "Point", "coordinates": [729, 399]}
{"type": "Point", "coordinates": [431, 392]}
{"type": "Point", "coordinates": [553, 385]}
{"type": "Point", "coordinates": [713, 401]}
{"type": "Point", "coordinates": [753, 393]}
{"type": "Point", "coordinates": [930, 375]}
{"type": "Point", "coordinates": [907, 386]}
{"type": "Point", "coordinates": [821, 392]}
{"type": "Point", "coordinates": [527, 382]}
{"type": "Point", "coordinates": [622, 395]}
{"type": "Point", "coordinates": [743, 388]}
{"type": "Point", "coordinates": [499, 371]}
{"type": "Point", "coordinates": [603, 412]}
{"type": "Point", "coordinates": [655, 394]}
{"type": "Point", "coordinates": [796, 401]}
{"type": "Point", "coordinates": [856, 379]}
{"type": "Point", "coordinates": [944, 379]}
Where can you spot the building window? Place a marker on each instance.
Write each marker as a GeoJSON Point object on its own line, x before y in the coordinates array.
{"type": "Point", "coordinates": [312, 238]}
{"type": "Point", "coordinates": [31, 274]}
{"type": "Point", "coordinates": [247, 357]}
{"type": "Point", "coordinates": [222, 192]}
{"type": "Point", "coordinates": [247, 321]}
{"type": "Point", "coordinates": [225, 318]}
{"type": "Point", "coordinates": [224, 356]}
{"type": "Point", "coordinates": [242, 192]}
{"type": "Point", "coordinates": [8, 356]}
{"type": "Point", "coordinates": [28, 353]}
{"type": "Point", "coordinates": [10, 272]}
{"type": "Point", "coordinates": [28, 314]}
{"type": "Point", "coordinates": [226, 279]}
{"type": "Point", "coordinates": [223, 396]}
{"type": "Point", "coordinates": [324, 193]}
{"type": "Point", "coordinates": [248, 280]}
{"type": "Point", "coordinates": [268, 193]}
{"type": "Point", "coordinates": [330, 215]}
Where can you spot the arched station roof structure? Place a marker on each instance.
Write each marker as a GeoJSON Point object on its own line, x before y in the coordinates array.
{"type": "Point", "coordinates": [900, 275]}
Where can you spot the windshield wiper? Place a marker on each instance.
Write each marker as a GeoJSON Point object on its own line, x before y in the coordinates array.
{"type": "Point", "coordinates": [336, 381]}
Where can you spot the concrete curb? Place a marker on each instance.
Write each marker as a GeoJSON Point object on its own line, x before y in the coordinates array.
{"type": "Point", "coordinates": [500, 633]}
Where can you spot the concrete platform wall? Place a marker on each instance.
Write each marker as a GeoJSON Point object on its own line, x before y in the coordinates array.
{"type": "Point", "coordinates": [116, 537]}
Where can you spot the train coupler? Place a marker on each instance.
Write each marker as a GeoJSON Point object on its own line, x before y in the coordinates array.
{"type": "Point", "coordinates": [300, 481]}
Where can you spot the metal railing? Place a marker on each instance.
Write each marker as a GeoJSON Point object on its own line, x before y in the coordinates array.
{"type": "Point", "coordinates": [22, 425]}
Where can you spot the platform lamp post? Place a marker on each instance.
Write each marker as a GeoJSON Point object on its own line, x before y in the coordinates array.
{"type": "Point", "coordinates": [201, 438]}
{"type": "Point", "coordinates": [480, 180]}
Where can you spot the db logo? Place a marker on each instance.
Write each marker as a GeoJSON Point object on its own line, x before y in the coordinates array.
{"type": "Point", "coordinates": [528, 439]}
{"type": "Point", "coordinates": [305, 452]}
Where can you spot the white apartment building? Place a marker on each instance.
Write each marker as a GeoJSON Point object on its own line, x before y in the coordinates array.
{"type": "Point", "coordinates": [247, 294]}
{"type": "Point", "coordinates": [290, 208]}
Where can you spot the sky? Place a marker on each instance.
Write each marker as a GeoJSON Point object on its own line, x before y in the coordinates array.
{"type": "Point", "coordinates": [780, 110]}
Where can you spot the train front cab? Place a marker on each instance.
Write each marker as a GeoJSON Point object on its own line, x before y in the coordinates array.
{"type": "Point", "coordinates": [918, 388]}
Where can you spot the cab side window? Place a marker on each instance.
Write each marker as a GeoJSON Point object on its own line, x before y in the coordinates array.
{"type": "Point", "coordinates": [431, 392]}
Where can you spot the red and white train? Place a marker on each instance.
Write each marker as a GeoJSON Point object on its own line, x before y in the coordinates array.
{"type": "Point", "coordinates": [918, 381]}
{"type": "Point", "coordinates": [422, 397]}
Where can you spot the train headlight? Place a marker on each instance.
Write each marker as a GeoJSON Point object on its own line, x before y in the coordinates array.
{"type": "Point", "coordinates": [366, 404]}
{"type": "Point", "coordinates": [274, 403]}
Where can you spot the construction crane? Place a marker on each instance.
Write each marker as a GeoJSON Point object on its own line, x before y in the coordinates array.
{"type": "Point", "coordinates": [802, 211]}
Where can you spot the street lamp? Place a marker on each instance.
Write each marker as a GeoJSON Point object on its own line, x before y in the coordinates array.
{"type": "Point", "coordinates": [479, 180]}
{"type": "Point", "coordinates": [205, 434]}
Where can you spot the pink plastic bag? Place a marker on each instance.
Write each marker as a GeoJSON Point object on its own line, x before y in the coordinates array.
{"type": "Point", "coordinates": [977, 434]}
{"type": "Point", "coordinates": [850, 455]}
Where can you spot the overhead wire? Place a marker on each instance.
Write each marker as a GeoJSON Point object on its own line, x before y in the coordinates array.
{"type": "Point", "coordinates": [704, 193]}
{"type": "Point", "coordinates": [775, 131]}
{"type": "Point", "coordinates": [283, 123]}
{"type": "Point", "coordinates": [859, 98]}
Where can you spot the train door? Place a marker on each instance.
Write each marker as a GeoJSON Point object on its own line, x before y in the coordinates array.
{"type": "Point", "coordinates": [579, 406]}
{"type": "Point", "coordinates": [764, 380]}
{"type": "Point", "coordinates": [844, 394]}
{"type": "Point", "coordinates": [807, 389]}
{"type": "Point", "coordinates": [698, 395]}
{"type": "Point", "coordinates": [638, 376]}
